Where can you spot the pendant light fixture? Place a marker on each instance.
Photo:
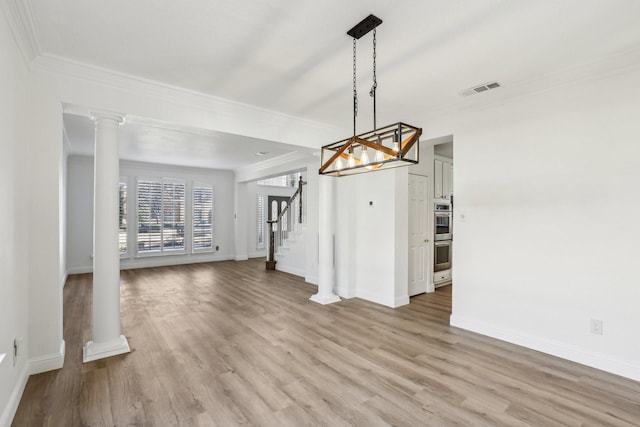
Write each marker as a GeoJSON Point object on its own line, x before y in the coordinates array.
{"type": "Point", "coordinates": [382, 148]}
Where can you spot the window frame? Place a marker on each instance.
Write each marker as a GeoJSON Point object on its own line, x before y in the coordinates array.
{"type": "Point", "coordinates": [194, 250]}
{"type": "Point", "coordinates": [124, 180]}
{"type": "Point", "coordinates": [162, 251]}
{"type": "Point", "coordinates": [261, 221]}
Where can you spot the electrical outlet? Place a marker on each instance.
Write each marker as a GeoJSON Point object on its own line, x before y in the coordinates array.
{"type": "Point", "coordinates": [17, 349]}
{"type": "Point", "coordinates": [596, 327]}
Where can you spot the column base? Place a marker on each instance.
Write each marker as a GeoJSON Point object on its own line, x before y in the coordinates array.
{"type": "Point", "coordinates": [94, 351]}
{"type": "Point", "coordinates": [325, 299]}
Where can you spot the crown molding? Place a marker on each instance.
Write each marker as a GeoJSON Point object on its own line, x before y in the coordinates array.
{"type": "Point", "coordinates": [19, 16]}
{"type": "Point", "coordinates": [600, 68]}
{"type": "Point", "coordinates": [116, 80]}
{"type": "Point", "coordinates": [289, 162]}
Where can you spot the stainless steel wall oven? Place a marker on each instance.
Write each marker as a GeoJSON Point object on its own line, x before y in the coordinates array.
{"type": "Point", "coordinates": [442, 213]}
{"type": "Point", "coordinates": [442, 255]}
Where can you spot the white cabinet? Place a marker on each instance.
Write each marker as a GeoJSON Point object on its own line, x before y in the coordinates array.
{"type": "Point", "coordinates": [441, 278]}
{"type": "Point", "coordinates": [447, 179]}
{"type": "Point", "coordinates": [443, 179]}
{"type": "Point", "coordinates": [437, 175]}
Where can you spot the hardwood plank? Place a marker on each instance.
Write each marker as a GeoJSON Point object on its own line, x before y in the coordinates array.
{"type": "Point", "coordinates": [229, 343]}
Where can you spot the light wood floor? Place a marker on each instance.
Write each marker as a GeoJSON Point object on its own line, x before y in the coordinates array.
{"type": "Point", "coordinates": [229, 343]}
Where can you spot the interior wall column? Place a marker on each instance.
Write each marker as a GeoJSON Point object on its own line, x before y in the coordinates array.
{"type": "Point", "coordinates": [326, 269]}
{"type": "Point", "coordinates": [240, 221]}
{"type": "Point", "coordinates": [107, 340]}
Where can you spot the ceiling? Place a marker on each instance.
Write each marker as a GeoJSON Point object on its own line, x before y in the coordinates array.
{"type": "Point", "coordinates": [150, 141]}
{"type": "Point", "coordinates": [294, 57]}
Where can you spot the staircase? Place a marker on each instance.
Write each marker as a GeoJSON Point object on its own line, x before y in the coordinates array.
{"type": "Point", "coordinates": [286, 237]}
{"type": "Point", "coordinates": [291, 254]}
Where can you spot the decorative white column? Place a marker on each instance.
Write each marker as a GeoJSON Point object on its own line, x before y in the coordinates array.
{"type": "Point", "coordinates": [326, 274]}
{"type": "Point", "coordinates": [107, 340]}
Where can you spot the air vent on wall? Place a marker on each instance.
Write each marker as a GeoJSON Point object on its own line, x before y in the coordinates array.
{"type": "Point", "coordinates": [480, 88]}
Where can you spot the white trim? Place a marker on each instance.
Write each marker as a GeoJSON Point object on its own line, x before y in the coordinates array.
{"type": "Point", "coordinates": [80, 270]}
{"type": "Point", "coordinates": [291, 270]}
{"type": "Point", "coordinates": [293, 162]}
{"type": "Point", "coordinates": [375, 297]}
{"type": "Point", "coordinates": [241, 257]}
{"type": "Point", "coordinates": [10, 409]}
{"type": "Point", "coordinates": [555, 348]}
{"type": "Point", "coordinates": [19, 16]}
{"type": "Point", "coordinates": [316, 132]}
{"type": "Point", "coordinates": [313, 280]}
{"type": "Point", "coordinates": [48, 362]}
{"type": "Point", "coordinates": [601, 67]}
{"type": "Point", "coordinates": [400, 301]}
{"type": "Point", "coordinates": [345, 292]}
{"type": "Point", "coordinates": [159, 261]}
{"type": "Point", "coordinates": [166, 261]}
{"type": "Point", "coordinates": [95, 351]}
{"type": "Point", "coordinates": [325, 300]}
{"type": "Point", "coordinates": [258, 254]}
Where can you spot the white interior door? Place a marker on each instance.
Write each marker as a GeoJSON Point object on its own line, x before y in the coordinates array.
{"type": "Point", "coordinates": [419, 235]}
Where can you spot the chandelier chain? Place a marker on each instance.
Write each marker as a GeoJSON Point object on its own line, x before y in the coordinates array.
{"type": "Point", "coordinates": [375, 80]}
{"type": "Point", "coordinates": [355, 90]}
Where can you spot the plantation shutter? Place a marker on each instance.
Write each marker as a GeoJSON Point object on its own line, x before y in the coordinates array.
{"type": "Point", "coordinates": [260, 222]}
{"type": "Point", "coordinates": [202, 217]}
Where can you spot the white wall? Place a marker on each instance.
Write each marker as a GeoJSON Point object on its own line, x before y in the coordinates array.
{"type": "Point", "coordinates": [14, 233]}
{"type": "Point", "coordinates": [310, 218]}
{"type": "Point", "coordinates": [240, 215]}
{"type": "Point", "coordinates": [54, 84]}
{"type": "Point", "coordinates": [80, 213]}
{"type": "Point", "coordinates": [548, 186]}
{"type": "Point", "coordinates": [372, 236]}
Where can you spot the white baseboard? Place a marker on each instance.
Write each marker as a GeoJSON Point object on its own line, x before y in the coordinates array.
{"type": "Point", "coordinates": [325, 299]}
{"type": "Point", "coordinates": [168, 260]}
{"type": "Point", "coordinates": [10, 409]}
{"type": "Point", "coordinates": [241, 257]}
{"type": "Point", "coordinates": [32, 366]}
{"type": "Point", "coordinates": [290, 270]}
{"type": "Point", "coordinates": [95, 351]}
{"type": "Point", "coordinates": [377, 298]}
{"type": "Point", "coordinates": [79, 270]}
{"type": "Point", "coordinates": [311, 279]}
{"type": "Point", "coordinates": [158, 261]}
{"type": "Point", "coordinates": [258, 254]}
{"type": "Point", "coordinates": [555, 348]}
{"type": "Point", "coordinates": [48, 362]}
{"type": "Point", "coordinates": [345, 293]}
{"type": "Point", "coordinates": [400, 301]}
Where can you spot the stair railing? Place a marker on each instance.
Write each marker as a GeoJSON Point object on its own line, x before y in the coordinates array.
{"type": "Point", "coordinates": [279, 227]}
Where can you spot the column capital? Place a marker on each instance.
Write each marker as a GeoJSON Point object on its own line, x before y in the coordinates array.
{"type": "Point", "coordinates": [100, 116]}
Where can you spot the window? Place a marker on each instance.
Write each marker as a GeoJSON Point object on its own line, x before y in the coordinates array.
{"type": "Point", "coordinates": [283, 206]}
{"type": "Point", "coordinates": [202, 217]}
{"type": "Point", "coordinates": [160, 215]}
{"type": "Point", "coordinates": [122, 239]}
{"type": "Point", "coordinates": [290, 180]}
{"type": "Point", "coordinates": [260, 222]}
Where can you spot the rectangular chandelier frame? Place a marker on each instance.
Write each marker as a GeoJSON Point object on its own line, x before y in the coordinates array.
{"type": "Point", "coordinates": [384, 148]}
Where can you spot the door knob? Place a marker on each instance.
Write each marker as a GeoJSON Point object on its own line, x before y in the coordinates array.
{"type": "Point", "coordinates": [426, 240]}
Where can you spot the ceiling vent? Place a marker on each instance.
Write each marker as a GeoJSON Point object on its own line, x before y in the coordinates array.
{"type": "Point", "coordinates": [480, 88]}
